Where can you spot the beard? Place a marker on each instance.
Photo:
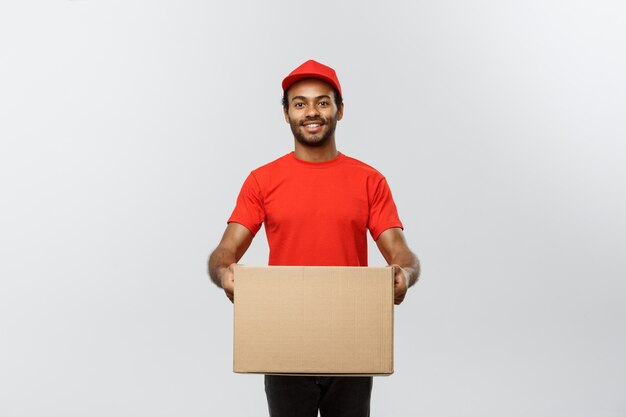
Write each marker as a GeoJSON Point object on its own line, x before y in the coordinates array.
{"type": "Point", "coordinates": [315, 141]}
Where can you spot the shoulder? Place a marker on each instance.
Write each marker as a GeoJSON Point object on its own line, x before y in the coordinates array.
{"type": "Point", "coordinates": [272, 166]}
{"type": "Point", "coordinates": [273, 171]}
{"type": "Point", "coordinates": [362, 167]}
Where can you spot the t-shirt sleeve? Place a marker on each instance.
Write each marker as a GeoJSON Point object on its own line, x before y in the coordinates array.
{"type": "Point", "coordinates": [249, 210]}
{"type": "Point", "coordinates": [383, 212]}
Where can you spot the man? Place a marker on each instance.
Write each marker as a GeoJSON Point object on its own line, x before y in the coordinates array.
{"type": "Point", "coordinates": [317, 205]}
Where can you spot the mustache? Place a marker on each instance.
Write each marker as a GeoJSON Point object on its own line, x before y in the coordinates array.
{"type": "Point", "coordinates": [313, 120]}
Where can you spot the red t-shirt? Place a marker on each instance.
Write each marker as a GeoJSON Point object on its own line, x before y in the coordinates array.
{"type": "Point", "coordinates": [316, 213]}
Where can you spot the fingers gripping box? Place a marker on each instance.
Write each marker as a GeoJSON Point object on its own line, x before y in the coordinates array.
{"type": "Point", "coordinates": [313, 320]}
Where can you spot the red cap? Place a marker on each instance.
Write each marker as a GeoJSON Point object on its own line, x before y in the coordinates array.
{"type": "Point", "coordinates": [312, 69]}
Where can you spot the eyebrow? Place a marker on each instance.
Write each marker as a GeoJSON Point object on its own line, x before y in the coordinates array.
{"type": "Point", "coordinates": [316, 98]}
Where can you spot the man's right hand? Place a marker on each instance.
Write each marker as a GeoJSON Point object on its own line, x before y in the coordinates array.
{"type": "Point", "coordinates": [227, 280]}
{"type": "Point", "coordinates": [234, 243]}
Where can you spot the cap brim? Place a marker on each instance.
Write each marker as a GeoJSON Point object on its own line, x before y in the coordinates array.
{"type": "Point", "coordinates": [292, 79]}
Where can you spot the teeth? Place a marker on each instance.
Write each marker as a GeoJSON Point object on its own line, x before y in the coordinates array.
{"type": "Point", "coordinates": [313, 125]}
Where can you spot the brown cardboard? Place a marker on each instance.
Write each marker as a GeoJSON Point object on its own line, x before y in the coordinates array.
{"type": "Point", "coordinates": [313, 320]}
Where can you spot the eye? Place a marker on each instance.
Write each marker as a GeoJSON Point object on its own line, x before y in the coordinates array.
{"type": "Point", "coordinates": [324, 103]}
{"type": "Point", "coordinates": [298, 105]}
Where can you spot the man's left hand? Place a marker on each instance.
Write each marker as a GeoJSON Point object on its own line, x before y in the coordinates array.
{"type": "Point", "coordinates": [401, 283]}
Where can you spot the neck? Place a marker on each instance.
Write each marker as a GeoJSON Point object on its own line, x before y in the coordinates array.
{"type": "Point", "coordinates": [314, 153]}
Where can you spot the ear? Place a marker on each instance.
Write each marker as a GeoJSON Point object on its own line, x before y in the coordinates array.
{"type": "Point", "coordinates": [286, 114]}
{"type": "Point", "coordinates": [340, 112]}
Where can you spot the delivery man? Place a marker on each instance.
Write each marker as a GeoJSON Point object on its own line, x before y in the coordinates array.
{"type": "Point", "coordinates": [317, 205]}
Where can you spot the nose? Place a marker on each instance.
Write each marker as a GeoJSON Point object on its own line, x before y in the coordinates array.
{"type": "Point", "coordinates": [312, 111]}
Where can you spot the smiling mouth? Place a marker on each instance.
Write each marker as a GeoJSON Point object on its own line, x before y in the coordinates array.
{"type": "Point", "coordinates": [312, 126]}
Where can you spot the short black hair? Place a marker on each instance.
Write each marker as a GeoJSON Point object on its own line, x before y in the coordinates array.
{"type": "Point", "coordinates": [338, 99]}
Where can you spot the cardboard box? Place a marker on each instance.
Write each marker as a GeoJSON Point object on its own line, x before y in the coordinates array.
{"type": "Point", "coordinates": [313, 320]}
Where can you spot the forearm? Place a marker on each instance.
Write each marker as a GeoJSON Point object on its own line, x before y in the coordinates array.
{"type": "Point", "coordinates": [408, 261]}
{"type": "Point", "coordinates": [220, 259]}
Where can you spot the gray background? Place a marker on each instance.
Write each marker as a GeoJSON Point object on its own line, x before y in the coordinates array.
{"type": "Point", "coordinates": [128, 127]}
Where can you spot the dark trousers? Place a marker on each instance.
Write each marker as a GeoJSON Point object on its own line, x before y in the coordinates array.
{"type": "Point", "coordinates": [302, 396]}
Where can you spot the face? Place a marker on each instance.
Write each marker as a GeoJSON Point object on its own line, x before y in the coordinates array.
{"type": "Point", "coordinates": [312, 112]}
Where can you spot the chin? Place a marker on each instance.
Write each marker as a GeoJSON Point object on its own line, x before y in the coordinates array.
{"type": "Point", "coordinates": [314, 142]}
